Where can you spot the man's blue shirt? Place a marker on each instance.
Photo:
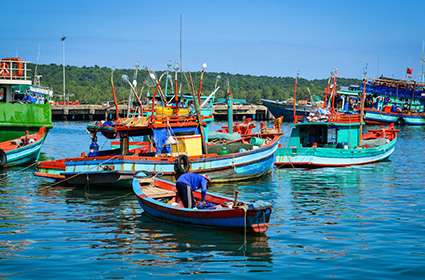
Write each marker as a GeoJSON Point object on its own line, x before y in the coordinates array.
{"type": "Point", "coordinates": [195, 181]}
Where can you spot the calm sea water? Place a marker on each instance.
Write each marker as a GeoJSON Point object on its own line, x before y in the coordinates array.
{"type": "Point", "coordinates": [361, 223]}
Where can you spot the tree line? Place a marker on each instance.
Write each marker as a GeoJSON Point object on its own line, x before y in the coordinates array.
{"type": "Point", "coordinates": [92, 85]}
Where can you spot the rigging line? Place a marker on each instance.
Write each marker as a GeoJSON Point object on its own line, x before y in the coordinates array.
{"type": "Point", "coordinates": [6, 176]}
{"type": "Point", "coordinates": [79, 173]}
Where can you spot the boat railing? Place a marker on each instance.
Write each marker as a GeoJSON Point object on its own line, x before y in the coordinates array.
{"type": "Point", "coordinates": [344, 118]}
{"type": "Point", "coordinates": [14, 69]}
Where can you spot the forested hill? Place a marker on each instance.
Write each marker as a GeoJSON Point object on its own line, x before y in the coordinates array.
{"type": "Point", "coordinates": [92, 84]}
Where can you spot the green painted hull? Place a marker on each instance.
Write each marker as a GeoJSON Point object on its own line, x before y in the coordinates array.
{"type": "Point", "coordinates": [15, 118]}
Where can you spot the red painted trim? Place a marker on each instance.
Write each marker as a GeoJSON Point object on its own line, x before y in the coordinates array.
{"type": "Point", "coordinates": [313, 165]}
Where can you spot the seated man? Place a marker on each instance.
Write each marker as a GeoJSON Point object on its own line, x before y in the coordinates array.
{"type": "Point", "coordinates": [189, 182]}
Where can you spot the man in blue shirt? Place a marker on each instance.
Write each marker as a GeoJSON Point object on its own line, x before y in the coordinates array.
{"type": "Point", "coordinates": [189, 182]}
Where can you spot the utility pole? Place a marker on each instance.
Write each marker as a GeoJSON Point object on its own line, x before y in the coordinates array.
{"type": "Point", "coordinates": [63, 68]}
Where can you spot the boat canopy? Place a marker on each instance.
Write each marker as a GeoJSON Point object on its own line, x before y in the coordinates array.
{"type": "Point", "coordinates": [325, 135]}
{"type": "Point", "coordinates": [395, 88]}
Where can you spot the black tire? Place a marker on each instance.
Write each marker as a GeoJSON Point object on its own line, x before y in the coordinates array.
{"type": "Point", "coordinates": [182, 164]}
{"type": "Point", "coordinates": [3, 159]}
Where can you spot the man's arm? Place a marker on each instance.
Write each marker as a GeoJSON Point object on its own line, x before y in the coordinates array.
{"type": "Point", "coordinates": [203, 189]}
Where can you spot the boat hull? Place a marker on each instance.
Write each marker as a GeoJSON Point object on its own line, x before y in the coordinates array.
{"type": "Point", "coordinates": [25, 154]}
{"type": "Point", "coordinates": [118, 169]}
{"type": "Point", "coordinates": [16, 118]}
{"type": "Point", "coordinates": [414, 119]}
{"type": "Point", "coordinates": [253, 219]}
{"type": "Point", "coordinates": [378, 117]}
{"type": "Point", "coordinates": [286, 110]}
{"type": "Point", "coordinates": [331, 157]}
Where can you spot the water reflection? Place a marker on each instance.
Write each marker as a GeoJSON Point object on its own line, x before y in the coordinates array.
{"type": "Point", "coordinates": [176, 243]}
{"type": "Point", "coordinates": [114, 223]}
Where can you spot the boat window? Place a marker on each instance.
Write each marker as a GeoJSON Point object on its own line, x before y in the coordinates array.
{"type": "Point", "coordinates": [2, 94]}
{"type": "Point", "coordinates": [332, 135]}
{"type": "Point", "coordinates": [315, 135]}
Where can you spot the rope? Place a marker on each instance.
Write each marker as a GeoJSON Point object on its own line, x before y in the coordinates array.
{"type": "Point", "coordinates": [4, 179]}
{"type": "Point", "coordinates": [114, 198]}
{"type": "Point", "coordinates": [77, 174]}
{"type": "Point", "coordinates": [245, 209]}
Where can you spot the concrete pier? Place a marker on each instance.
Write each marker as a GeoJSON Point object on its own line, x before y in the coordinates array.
{"type": "Point", "coordinates": [92, 112]}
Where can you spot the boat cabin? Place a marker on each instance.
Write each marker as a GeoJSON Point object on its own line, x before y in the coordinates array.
{"type": "Point", "coordinates": [169, 137]}
{"type": "Point", "coordinates": [348, 98]}
{"type": "Point", "coordinates": [16, 85]}
{"type": "Point", "coordinates": [325, 135]}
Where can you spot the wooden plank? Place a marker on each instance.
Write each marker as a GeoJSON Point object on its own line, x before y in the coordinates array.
{"type": "Point", "coordinates": [154, 192]}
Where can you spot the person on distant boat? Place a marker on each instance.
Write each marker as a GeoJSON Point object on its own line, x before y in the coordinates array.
{"type": "Point", "coordinates": [189, 182]}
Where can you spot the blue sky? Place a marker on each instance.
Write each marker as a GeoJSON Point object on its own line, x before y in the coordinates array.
{"type": "Point", "coordinates": [276, 38]}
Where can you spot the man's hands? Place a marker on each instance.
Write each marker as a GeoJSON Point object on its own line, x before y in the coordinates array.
{"type": "Point", "coordinates": [201, 204]}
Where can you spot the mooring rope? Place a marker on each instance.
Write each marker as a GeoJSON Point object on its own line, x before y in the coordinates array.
{"type": "Point", "coordinates": [245, 209]}
{"type": "Point", "coordinates": [4, 179]}
{"type": "Point", "coordinates": [78, 173]}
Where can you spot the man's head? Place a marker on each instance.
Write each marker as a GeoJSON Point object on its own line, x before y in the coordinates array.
{"type": "Point", "coordinates": [207, 178]}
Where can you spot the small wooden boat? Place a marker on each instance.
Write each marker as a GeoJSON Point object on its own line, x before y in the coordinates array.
{"type": "Point", "coordinates": [157, 196]}
{"type": "Point", "coordinates": [22, 150]}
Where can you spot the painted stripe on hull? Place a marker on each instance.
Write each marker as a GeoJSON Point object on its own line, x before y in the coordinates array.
{"type": "Point", "coordinates": [25, 154]}
{"type": "Point", "coordinates": [248, 165]}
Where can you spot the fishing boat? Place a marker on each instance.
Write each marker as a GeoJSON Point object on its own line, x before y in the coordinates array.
{"type": "Point", "coordinates": [24, 104]}
{"type": "Point", "coordinates": [395, 101]}
{"type": "Point", "coordinates": [157, 197]}
{"type": "Point", "coordinates": [171, 144]}
{"type": "Point", "coordinates": [22, 150]}
{"type": "Point", "coordinates": [333, 139]}
{"type": "Point", "coordinates": [285, 108]}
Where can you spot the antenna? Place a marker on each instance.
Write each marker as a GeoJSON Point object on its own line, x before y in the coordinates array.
{"type": "Point", "coordinates": [36, 78]}
{"type": "Point", "coordinates": [377, 62]}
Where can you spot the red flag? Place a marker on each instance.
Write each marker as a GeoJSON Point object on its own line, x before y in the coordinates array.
{"type": "Point", "coordinates": [409, 71]}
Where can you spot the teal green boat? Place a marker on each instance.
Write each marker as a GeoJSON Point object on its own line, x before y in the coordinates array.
{"type": "Point", "coordinates": [333, 141]}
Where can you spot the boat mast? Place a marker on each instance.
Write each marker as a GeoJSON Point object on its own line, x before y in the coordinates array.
{"type": "Point", "coordinates": [198, 112]}
{"type": "Point", "coordinates": [36, 79]}
{"type": "Point", "coordinates": [333, 92]}
{"type": "Point", "coordinates": [114, 95]}
{"type": "Point", "coordinates": [362, 105]}
{"type": "Point", "coordinates": [295, 99]}
{"type": "Point", "coordinates": [201, 81]}
{"type": "Point", "coordinates": [229, 109]}
{"type": "Point", "coordinates": [180, 66]}
{"type": "Point", "coordinates": [327, 91]}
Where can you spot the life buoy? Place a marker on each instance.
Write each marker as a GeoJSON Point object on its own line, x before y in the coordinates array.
{"type": "Point", "coordinates": [4, 69]}
{"type": "Point", "coordinates": [182, 164]}
{"type": "Point", "coordinates": [3, 158]}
